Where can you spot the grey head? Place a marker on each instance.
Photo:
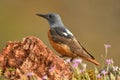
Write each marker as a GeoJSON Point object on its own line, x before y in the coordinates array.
{"type": "Point", "coordinates": [53, 19]}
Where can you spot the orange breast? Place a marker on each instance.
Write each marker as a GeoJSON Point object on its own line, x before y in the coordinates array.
{"type": "Point", "coordinates": [61, 48]}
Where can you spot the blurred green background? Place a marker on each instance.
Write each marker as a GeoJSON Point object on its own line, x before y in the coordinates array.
{"type": "Point", "coordinates": [93, 22]}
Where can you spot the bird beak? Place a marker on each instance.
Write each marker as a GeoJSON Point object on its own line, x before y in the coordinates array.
{"type": "Point", "coordinates": [42, 15]}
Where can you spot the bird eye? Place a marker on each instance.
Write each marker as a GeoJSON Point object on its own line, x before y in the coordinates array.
{"type": "Point", "coordinates": [50, 16]}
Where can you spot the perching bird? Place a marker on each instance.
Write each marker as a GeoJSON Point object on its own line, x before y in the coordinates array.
{"type": "Point", "coordinates": [63, 41]}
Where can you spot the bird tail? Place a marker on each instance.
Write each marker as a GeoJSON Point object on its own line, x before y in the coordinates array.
{"type": "Point", "coordinates": [93, 61]}
{"type": "Point", "coordinates": [90, 59]}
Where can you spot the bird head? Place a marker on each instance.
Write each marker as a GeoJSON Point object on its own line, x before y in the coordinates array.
{"type": "Point", "coordinates": [53, 19]}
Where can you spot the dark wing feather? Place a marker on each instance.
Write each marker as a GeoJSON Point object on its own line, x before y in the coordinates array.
{"type": "Point", "coordinates": [61, 31]}
{"type": "Point", "coordinates": [86, 51]}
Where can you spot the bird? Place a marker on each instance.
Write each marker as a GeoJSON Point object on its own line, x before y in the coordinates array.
{"type": "Point", "coordinates": [63, 40]}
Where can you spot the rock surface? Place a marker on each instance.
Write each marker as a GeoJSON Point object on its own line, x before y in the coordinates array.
{"type": "Point", "coordinates": [30, 58]}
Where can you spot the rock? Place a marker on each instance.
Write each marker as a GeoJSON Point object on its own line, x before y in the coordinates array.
{"type": "Point", "coordinates": [30, 58]}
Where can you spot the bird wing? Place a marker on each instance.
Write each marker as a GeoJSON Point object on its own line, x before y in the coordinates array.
{"type": "Point", "coordinates": [86, 51]}
{"type": "Point", "coordinates": [59, 35]}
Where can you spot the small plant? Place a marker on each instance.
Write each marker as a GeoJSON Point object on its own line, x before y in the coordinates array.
{"type": "Point", "coordinates": [108, 70]}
